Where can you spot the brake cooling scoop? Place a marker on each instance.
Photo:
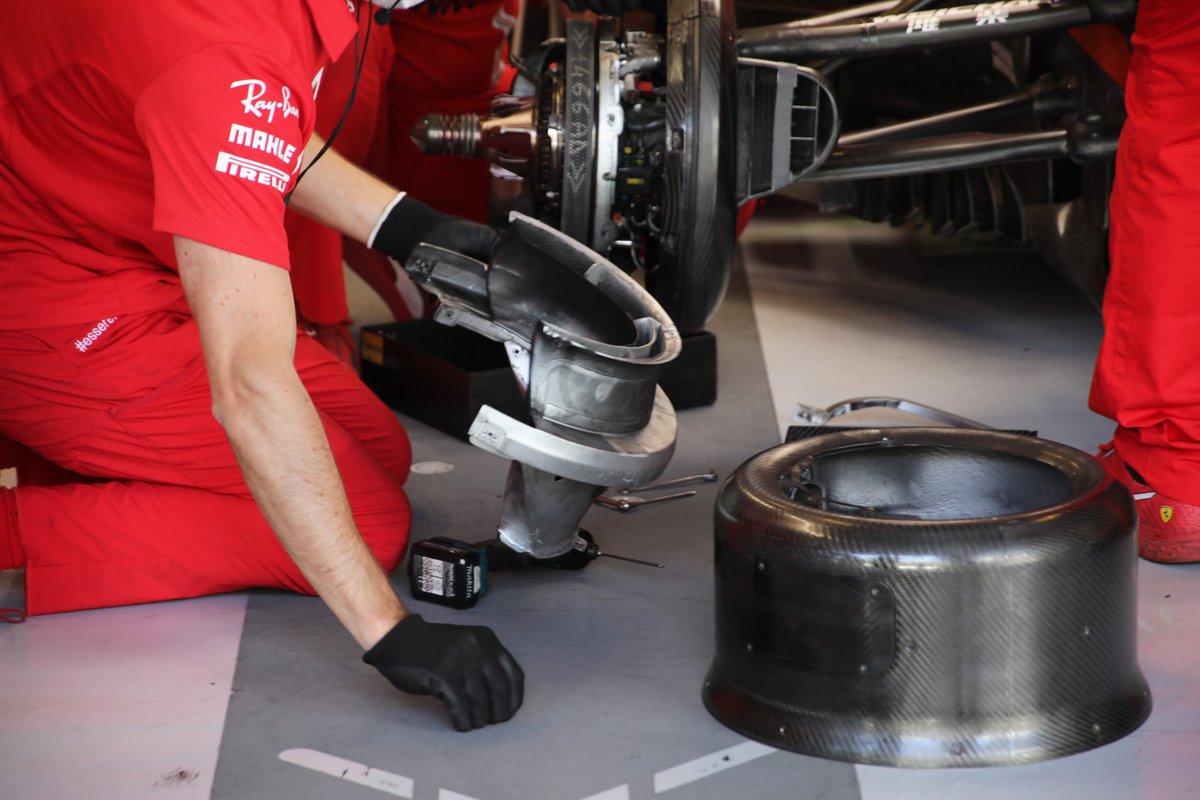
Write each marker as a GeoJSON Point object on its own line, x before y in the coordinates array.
{"type": "Point", "coordinates": [585, 343]}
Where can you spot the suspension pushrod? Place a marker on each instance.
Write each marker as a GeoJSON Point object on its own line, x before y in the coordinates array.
{"type": "Point", "coordinates": [1037, 98]}
{"type": "Point", "coordinates": [939, 153]}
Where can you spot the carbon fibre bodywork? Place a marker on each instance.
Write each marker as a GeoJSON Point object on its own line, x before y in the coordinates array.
{"type": "Point", "coordinates": [926, 597]}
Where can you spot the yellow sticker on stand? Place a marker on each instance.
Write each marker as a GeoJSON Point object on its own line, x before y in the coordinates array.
{"type": "Point", "coordinates": [372, 347]}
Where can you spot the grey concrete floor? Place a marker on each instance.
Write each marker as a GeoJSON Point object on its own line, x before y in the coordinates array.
{"type": "Point", "coordinates": [135, 703]}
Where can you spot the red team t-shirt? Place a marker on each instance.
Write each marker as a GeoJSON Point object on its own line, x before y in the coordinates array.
{"type": "Point", "coordinates": [121, 128]}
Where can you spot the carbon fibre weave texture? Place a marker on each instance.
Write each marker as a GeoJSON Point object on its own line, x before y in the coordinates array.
{"type": "Point", "coordinates": [698, 233]}
{"type": "Point", "coordinates": [995, 640]}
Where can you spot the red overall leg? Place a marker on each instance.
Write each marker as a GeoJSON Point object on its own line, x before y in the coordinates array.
{"type": "Point", "coordinates": [315, 250]}
{"type": "Point", "coordinates": [32, 469]}
{"type": "Point", "coordinates": [448, 60]}
{"type": "Point", "coordinates": [446, 63]}
{"type": "Point", "coordinates": [1147, 375]}
{"type": "Point", "coordinates": [175, 518]}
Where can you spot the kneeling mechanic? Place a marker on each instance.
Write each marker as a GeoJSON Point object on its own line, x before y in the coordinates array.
{"type": "Point", "coordinates": [148, 348]}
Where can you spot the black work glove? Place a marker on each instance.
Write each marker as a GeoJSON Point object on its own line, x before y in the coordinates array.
{"type": "Point", "coordinates": [410, 222]}
{"type": "Point", "coordinates": [611, 8]}
{"type": "Point", "coordinates": [464, 666]}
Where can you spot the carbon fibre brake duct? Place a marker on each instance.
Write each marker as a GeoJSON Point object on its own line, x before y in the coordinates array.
{"type": "Point", "coordinates": [585, 342]}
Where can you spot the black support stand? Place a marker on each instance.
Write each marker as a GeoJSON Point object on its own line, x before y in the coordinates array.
{"type": "Point", "coordinates": [442, 375]}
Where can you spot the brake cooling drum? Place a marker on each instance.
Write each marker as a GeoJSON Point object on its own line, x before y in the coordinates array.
{"type": "Point", "coordinates": [926, 597]}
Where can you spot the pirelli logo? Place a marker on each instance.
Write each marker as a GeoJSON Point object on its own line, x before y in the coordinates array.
{"type": "Point", "coordinates": [252, 171]}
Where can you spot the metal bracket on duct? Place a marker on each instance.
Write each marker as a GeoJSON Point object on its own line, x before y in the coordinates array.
{"type": "Point", "coordinates": [585, 343]}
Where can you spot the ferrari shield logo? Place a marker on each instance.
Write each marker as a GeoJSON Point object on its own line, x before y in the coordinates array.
{"type": "Point", "coordinates": [1166, 512]}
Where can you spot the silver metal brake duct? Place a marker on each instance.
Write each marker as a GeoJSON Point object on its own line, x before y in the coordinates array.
{"type": "Point", "coordinates": [585, 343]}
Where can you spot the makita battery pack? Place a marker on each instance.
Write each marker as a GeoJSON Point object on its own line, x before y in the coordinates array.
{"type": "Point", "coordinates": [447, 571]}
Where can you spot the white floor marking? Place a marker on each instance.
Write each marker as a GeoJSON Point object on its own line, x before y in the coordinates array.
{"type": "Point", "coordinates": [708, 765]}
{"type": "Point", "coordinates": [617, 793]}
{"type": "Point", "coordinates": [386, 782]}
{"type": "Point", "coordinates": [446, 794]}
{"type": "Point", "coordinates": [431, 467]}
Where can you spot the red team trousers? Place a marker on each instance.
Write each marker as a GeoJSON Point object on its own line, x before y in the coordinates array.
{"type": "Point", "coordinates": [171, 517]}
{"type": "Point", "coordinates": [1147, 375]}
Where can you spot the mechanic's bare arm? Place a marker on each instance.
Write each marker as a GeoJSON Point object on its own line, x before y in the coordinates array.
{"type": "Point", "coordinates": [248, 331]}
{"type": "Point", "coordinates": [340, 194]}
{"type": "Point", "coordinates": [350, 200]}
{"type": "Point", "coordinates": [246, 317]}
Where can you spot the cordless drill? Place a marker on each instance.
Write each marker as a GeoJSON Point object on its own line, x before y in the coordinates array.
{"type": "Point", "coordinates": [455, 573]}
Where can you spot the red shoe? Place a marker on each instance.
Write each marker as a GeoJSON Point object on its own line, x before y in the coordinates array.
{"type": "Point", "coordinates": [1168, 530]}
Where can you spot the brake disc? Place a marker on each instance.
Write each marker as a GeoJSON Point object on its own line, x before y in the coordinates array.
{"type": "Point", "coordinates": [700, 204]}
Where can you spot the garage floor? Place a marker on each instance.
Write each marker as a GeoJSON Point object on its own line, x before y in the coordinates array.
{"type": "Point", "coordinates": [261, 695]}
